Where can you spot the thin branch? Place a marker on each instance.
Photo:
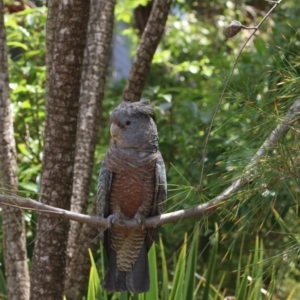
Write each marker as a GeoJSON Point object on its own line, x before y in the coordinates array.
{"type": "Point", "coordinates": [279, 132]}
{"type": "Point", "coordinates": [150, 39]}
{"type": "Point", "coordinates": [225, 87]}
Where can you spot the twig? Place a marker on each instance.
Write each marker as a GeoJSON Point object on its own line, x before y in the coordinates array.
{"type": "Point", "coordinates": [280, 131]}
{"type": "Point", "coordinates": [225, 87]}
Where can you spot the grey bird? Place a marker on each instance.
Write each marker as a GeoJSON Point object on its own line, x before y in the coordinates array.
{"type": "Point", "coordinates": [132, 185]}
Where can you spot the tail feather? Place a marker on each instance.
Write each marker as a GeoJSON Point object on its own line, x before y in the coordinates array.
{"type": "Point", "coordinates": [110, 281]}
{"type": "Point", "coordinates": [136, 281]}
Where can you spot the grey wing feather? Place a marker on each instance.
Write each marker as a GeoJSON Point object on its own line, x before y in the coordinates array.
{"type": "Point", "coordinates": [160, 196]}
{"type": "Point", "coordinates": [161, 184]}
{"type": "Point", "coordinates": [103, 192]}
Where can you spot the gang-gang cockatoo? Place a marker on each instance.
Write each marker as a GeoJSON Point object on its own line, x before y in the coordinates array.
{"type": "Point", "coordinates": [132, 185]}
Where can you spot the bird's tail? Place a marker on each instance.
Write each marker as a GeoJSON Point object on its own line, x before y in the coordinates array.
{"type": "Point", "coordinates": [136, 281]}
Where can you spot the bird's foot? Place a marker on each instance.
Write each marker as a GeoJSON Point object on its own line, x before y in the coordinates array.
{"type": "Point", "coordinates": [140, 219]}
{"type": "Point", "coordinates": [116, 217]}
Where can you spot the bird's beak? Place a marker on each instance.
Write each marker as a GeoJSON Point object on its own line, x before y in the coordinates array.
{"type": "Point", "coordinates": [114, 130]}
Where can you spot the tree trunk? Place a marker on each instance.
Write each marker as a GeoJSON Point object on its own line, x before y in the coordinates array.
{"type": "Point", "coordinates": [14, 242]}
{"type": "Point", "coordinates": [76, 285]}
{"type": "Point", "coordinates": [147, 47]}
{"type": "Point", "coordinates": [95, 63]}
{"type": "Point", "coordinates": [79, 263]}
{"type": "Point", "coordinates": [66, 37]}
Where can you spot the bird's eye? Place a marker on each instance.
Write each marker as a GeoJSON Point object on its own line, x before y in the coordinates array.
{"type": "Point", "coordinates": [127, 123]}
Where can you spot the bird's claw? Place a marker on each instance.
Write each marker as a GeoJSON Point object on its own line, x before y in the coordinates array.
{"type": "Point", "coordinates": [116, 217]}
{"type": "Point", "coordinates": [140, 219]}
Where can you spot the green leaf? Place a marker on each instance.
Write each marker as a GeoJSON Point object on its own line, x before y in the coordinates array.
{"type": "Point", "coordinates": [260, 46]}
{"type": "Point", "coordinates": [28, 186]}
{"type": "Point", "coordinates": [178, 280]}
{"type": "Point", "coordinates": [153, 291]}
{"type": "Point", "coordinates": [124, 296]}
{"type": "Point", "coordinates": [189, 284]}
{"type": "Point", "coordinates": [167, 97]}
{"type": "Point", "coordinates": [14, 44]}
{"type": "Point", "coordinates": [239, 269]}
{"type": "Point", "coordinates": [242, 290]}
{"type": "Point", "coordinates": [165, 279]}
{"type": "Point", "coordinates": [257, 271]}
{"type": "Point", "coordinates": [194, 69]}
{"type": "Point", "coordinates": [94, 287]}
{"type": "Point", "coordinates": [211, 266]}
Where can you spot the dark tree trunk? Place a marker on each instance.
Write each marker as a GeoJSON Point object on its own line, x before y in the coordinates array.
{"type": "Point", "coordinates": [14, 242]}
{"type": "Point", "coordinates": [147, 47]}
{"type": "Point", "coordinates": [141, 16]}
{"type": "Point", "coordinates": [66, 37]}
{"type": "Point", "coordinates": [95, 63]}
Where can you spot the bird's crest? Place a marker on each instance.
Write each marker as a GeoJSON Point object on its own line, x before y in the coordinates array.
{"type": "Point", "coordinates": [138, 108]}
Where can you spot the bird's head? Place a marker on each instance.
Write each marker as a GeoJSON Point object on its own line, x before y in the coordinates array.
{"type": "Point", "coordinates": [133, 127]}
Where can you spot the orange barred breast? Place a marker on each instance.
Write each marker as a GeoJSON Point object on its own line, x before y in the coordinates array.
{"type": "Point", "coordinates": [133, 182]}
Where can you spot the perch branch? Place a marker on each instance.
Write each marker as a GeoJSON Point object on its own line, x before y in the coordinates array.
{"type": "Point", "coordinates": [279, 132]}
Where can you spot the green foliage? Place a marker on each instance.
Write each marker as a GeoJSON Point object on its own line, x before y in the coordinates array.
{"type": "Point", "coordinates": [94, 289]}
{"type": "Point", "coordinates": [187, 76]}
{"type": "Point", "coordinates": [165, 277]}
{"type": "Point", "coordinates": [211, 268]}
{"type": "Point", "coordinates": [191, 266]}
{"type": "Point", "coordinates": [186, 283]}
{"type": "Point", "coordinates": [26, 46]}
{"type": "Point", "coordinates": [178, 279]}
{"type": "Point", "coordinates": [25, 33]}
{"type": "Point", "coordinates": [153, 291]}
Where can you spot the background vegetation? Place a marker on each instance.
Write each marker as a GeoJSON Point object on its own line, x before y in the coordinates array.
{"type": "Point", "coordinates": [185, 82]}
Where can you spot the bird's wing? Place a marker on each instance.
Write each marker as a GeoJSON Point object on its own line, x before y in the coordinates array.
{"type": "Point", "coordinates": [159, 198]}
{"type": "Point", "coordinates": [103, 192]}
{"type": "Point", "coordinates": [160, 185]}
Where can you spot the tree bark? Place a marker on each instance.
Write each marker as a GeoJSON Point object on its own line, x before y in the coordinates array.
{"type": "Point", "coordinates": [147, 47]}
{"type": "Point", "coordinates": [66, 37]}
{"type": "Point", "coordinates": [76, 285]}
{"type": "Point", "coordinates": [95, 63]}
{"type": "Point", "coordinates": [14, 242]}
